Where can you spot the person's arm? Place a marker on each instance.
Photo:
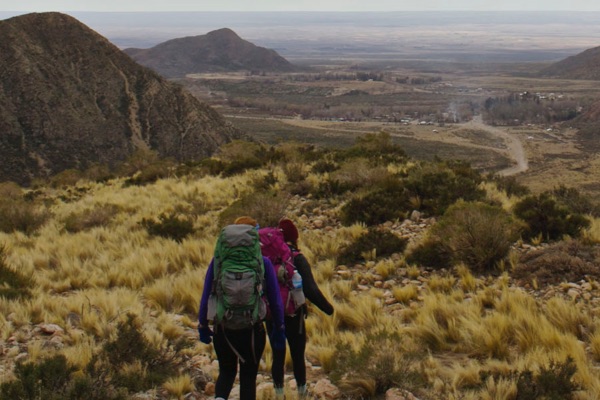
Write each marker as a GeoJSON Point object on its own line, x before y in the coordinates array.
{"type": "Point", "coordinates": [309, 285]}
{"type": "Point", "coordinates": [208, 280]}
{"type": "Point", "coordinates": [272, 292]}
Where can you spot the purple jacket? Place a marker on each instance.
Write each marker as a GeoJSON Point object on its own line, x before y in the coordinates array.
{"type": "Point", "coordinates": [271, 290]}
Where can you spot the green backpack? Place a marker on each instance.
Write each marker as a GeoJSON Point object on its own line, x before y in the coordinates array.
{"type": "Point", "coordinates": [237, 289]}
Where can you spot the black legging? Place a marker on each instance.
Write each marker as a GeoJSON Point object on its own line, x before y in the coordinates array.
{"type": "Point", "coordinates": [295, 334]}
{"type": "Point", "coordinates": [251, 352]}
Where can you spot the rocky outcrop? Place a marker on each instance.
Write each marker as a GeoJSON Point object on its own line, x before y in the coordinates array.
{"type": "Point", "coordinates": [70, 99]}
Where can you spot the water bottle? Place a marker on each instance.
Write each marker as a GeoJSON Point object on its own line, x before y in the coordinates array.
{"type": "Point", "coordinates": [297, 280]}
{"type": "Point", "coordinates": [297, 292]}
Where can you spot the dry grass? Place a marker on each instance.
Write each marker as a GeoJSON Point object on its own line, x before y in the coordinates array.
{"type": "Point", "coordinates": [405, 294]}
{"type": "Point", "coordinates": [87, 281]}
{"type": "Point", "coordinates": [179, 386]}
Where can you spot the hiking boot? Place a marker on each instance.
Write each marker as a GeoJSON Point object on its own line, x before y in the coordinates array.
{"type": "Point", "coordinates": [279, 394]}
{"type": "Point", "coordinates": [302, 392]}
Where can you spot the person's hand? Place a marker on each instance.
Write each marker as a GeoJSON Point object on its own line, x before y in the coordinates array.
{"type": "Point", "coordinates": [205, 334]}
{"type": "Point", "coordinates": [278, 338]}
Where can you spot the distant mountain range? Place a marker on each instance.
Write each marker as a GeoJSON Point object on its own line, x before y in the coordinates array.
{"type": "Point", "coordinates": [69, 98]}
{"type": "Point", "coordinates": [585, 65]}
{"type": "Point", "coordinates": [217, 51]}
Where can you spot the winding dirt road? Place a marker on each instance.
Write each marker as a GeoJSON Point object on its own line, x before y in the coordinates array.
{"type": "Point", "coordinates": [514, 146]}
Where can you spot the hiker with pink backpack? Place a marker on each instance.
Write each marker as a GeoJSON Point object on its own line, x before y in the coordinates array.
{"type": "Point", "coordinates": [296, 283]}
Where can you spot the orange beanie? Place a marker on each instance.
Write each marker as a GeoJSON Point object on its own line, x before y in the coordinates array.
{"type": "Point", "coordinates": [245, 220]}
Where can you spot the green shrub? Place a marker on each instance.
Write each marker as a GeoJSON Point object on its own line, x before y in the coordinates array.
{"type": "Point", "coordinates": [98, 216]}
{"type": "Point", "coordinates": [375, 208]}
{"type": "Point", "coordinates": [430, 253]}
{"type": "Point", "coordinates": [239, 156]}
{"type": "Point", "coordinates": [377, 148]}
{"type": "Point", "coordinates": [302, 188]}
{"type": "Point", "coordinates": [173, 226]}
{"type": "Point", "coordinates": [476, 234]}
{"type": "Point", "coordinates": [330, 188]}
{"type": "Point", "coordinates": [50, 379]}
{"type": "Point", "coordinates": [21, 215]}
{"type": "Point", "coordinates": [384, 244]}
{"type": "Point", "coordinates": [573, 200]}
{"type": "Point", "coordinates": [68, 177]}
{"type": "Point", "coordinates": [265, 182]}
{"type": "Point", "coordinates": [150, 173]}
{"type": "Point", "coordinates": [129, 347]}
{"type": "Point", "coordinates": [212, 166]}
{"type": "Point", "coordinates": [437, 186]}
{"type": "Point", "coordinates": [267, 207]}
{"type": "Point", "coordinates": [324, 166]}
{"type": "Point", "coordinates": [294, 172]}
{"type": "Point", "coordinates": [546, 217]}
{"type": "Point", "coordinates": [552, 383]}
{"type": "Point", "coordinates": [509, 185]}
{"type": "Point", "coordinates": [10, 191]}
{"type": "Point", "coordinates": [98, 173]}
{"type": "Point", "coordinates": [381, 363]}
{"type": "Point", "coordinates": [137, 161]}
{"type": "Point", "coordinates": [12, 283]}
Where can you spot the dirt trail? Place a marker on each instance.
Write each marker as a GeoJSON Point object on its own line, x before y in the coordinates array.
{"type": "Point", "coordinates": [514, 146]}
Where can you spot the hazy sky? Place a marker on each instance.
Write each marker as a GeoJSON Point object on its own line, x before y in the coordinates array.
{"type": "Point", "coordinates": [295, 5]}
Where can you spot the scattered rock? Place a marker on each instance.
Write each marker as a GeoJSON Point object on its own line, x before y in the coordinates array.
{"type": "Point", "coordinates": [50, 329]}
{"type": "Point", "coordinates": [324, 388]}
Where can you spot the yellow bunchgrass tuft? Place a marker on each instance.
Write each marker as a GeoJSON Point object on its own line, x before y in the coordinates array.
{"type": "Point", "coordinates": [413, 271]}
{"type": "Point", "coordinates": [341, 290]}
{"type": "Point", "coordinates": [35, 350]}
{"type": "Point", "coordinates": [387, 267]}
{"type": "Point", "coordinates": [595, 345]}
{"type": "Point", "coordinates": [318, 246]}
{"type": "Point", "coordinates": [439, 324]}
{"type": "Point", "coordinates": [326, 357]}
{"type": "Point", "coordinates": [537, 240]}
{"type": "Point", "coordinates": [168, 327]}
{"type": "Point", "coordinates": [592, 233]}
{"type": "Point", "coordinates": [567, 316]}
{"type": "Point", "coordinates": [179, 386]}
{"type": "Point", "coordinates": [497, 196]}
{"type": "Point", "coordinates": [466, 376]}
{"type": "Point", "coordinates": [80, 354]}
{"type": "Point", "coordinates": [513, 259]}
{"type": "Point", "coordinates": [177, 294]}
{"type": "Point", "coordinates": [467, 281]}
{"type": "Point", "coordinates": [497, 389]}
{"type": "Point", "coordinates": [359, 387]}
{"type": "Point", "coordinates": [361, 312]}
{"type": "Point", "coordinates": [442, 284]}
{"type": "Point", "coordinates": [488, 336]}
{"type": "Point", "coordinates": [405, 294]}
{"type": "Point", "coordinates": [324, 270]}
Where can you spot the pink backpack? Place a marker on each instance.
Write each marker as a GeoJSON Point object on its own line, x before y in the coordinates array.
{"type": "Point", "coordinates": [273, 246]}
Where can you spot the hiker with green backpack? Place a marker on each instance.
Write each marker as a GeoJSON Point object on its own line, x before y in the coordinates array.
{"type": "Point", "coordinates": [239, 281]}
{"type": "Point", "coordinates": [296, 283]}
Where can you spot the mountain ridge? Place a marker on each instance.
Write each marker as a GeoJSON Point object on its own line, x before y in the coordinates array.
{"type": "Point", "coordinates": [584, 65]}
{"type": "Point", "coordinates": [69, 99]}
{"type": "Point", "coordinates": [221, 50]}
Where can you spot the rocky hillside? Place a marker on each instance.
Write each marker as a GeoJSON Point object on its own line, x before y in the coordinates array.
{"type": "Point", "coordinates": [220, 50]}
{"type": "Point", "coordinates": [585, 65]}
{"type": "Point", "coordinates": [69, 99]}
